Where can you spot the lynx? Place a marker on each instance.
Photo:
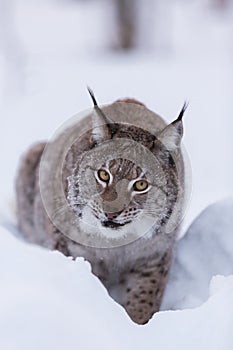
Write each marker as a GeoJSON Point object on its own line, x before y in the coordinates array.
{"type": "Point", "coordinates": [122, 180]}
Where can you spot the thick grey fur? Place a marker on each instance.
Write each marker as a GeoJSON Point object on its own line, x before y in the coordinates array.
{"type": "Point", "coordinates": [135, 274]}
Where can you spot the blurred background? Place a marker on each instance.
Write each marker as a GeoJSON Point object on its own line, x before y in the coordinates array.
{"type": "Point", "coordinates": [161, 52]}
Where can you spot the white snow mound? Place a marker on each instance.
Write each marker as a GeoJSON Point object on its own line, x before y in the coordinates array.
{"type": "Point", "coordinates": [206, 250]}
{"type": "Point", "coordinates": [49, 301]}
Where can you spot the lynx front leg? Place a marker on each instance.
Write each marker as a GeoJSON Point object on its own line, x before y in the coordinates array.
{"type": "Point", "coordinates": [140, 290]}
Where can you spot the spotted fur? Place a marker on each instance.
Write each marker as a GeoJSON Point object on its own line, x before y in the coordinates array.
{"type": "Point", "coordinates": [135, 274]}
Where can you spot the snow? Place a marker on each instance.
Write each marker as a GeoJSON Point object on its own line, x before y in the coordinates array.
{"type": "Point", "coordinates": [49, 52]}
{"type": "Point", "coordinates": [205, 251]}
{"type": "Point", "coordinates": [47, 301]}
{"type": "Point", "coordinates": [50, 301]}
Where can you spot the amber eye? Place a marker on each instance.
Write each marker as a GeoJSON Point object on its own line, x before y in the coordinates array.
{"type": "Point", "coordinates": [140, 185]}
{"type": "Point", "coordinates": [103, 175]}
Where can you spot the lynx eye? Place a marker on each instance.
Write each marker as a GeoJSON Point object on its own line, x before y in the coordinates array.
{"type": "Point", "coordinates": [140, 185]}
{"type": "Point", "coordinates": [103, 175]}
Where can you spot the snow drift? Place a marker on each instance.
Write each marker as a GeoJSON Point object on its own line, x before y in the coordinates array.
{"type": "Point", "coordinates": [50, 301]}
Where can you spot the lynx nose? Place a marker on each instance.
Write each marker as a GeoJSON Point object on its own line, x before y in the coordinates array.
{"type": "Point", "coordinates": [113, 215]}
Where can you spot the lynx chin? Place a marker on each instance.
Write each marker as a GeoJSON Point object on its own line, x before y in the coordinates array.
{"type": "Point", "coordinates": [109, 187]}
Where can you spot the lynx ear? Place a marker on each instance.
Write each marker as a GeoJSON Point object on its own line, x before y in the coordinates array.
{"type": "Point", "coordinates": [103, 127]}
{"type": "Point", "coordinates": [172, 134]}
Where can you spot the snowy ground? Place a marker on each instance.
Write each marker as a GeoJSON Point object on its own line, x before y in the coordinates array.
{"type": "Point", "coordinates": [206, 250]}
{"type": "Point", "coordinates": [49, 52]}
{"type": "Point", "coordinates": [59, 304]}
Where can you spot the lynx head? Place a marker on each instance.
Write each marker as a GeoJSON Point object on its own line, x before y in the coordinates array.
{"type": "Point", "coordinates": [127, 180]}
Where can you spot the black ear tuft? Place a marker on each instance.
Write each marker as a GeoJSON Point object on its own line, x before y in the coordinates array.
{"type": "Point", "coordinates": [92, 96]}
{"type": "Point", "coordinates": [180, 116]}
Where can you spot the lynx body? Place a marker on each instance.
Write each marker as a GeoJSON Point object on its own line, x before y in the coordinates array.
{"type": "Point", "coordinates": [112, 198]}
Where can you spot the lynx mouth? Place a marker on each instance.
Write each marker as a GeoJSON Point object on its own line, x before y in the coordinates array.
{"type": "Point", "coordinates": [113, 224]}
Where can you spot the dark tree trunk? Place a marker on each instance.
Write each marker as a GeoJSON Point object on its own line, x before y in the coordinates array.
{"type": "Point", "coordinates": [126, 16]}
{"type": "Point", "coordinates": [222, 4]}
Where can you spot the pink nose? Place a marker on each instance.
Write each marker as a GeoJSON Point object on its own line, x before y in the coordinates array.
{"type": "Point", "coordinates": [112, 215]}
